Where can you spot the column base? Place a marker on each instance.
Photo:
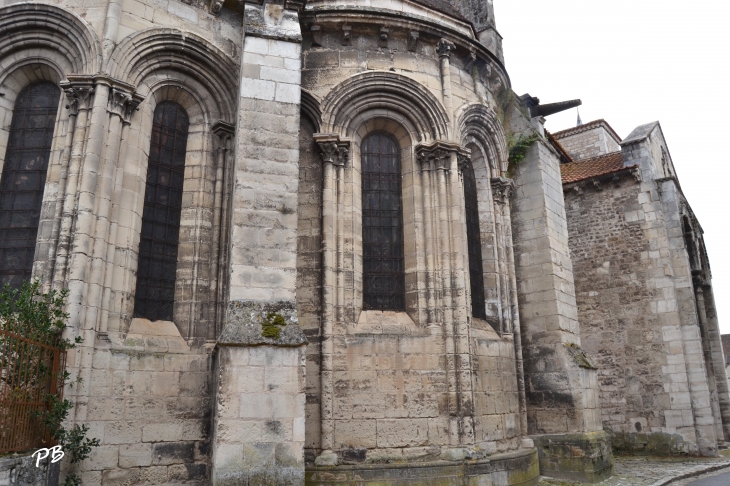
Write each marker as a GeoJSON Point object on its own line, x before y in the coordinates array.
{"type": "Point", "coordinates": [584, 457]}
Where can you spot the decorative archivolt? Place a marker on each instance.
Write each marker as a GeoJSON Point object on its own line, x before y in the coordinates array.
{"type": "Point", "coordinates": [50, 31]}
{"type": "Point", "coordinates": [477, 123]}
{"type": "Point", "coordinates": [311, 109]}
{"type": "Point", "coordinates": [149, 51]}
{"type": "Point", "coordinates": [381, 90]}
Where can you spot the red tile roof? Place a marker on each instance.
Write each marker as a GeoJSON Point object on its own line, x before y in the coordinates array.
{"type": "Point", "coordinates": [564, 155]}
{"type": "Point", "coordinates": [585, 127]}
{"type": "Point", "coordinates": [593, 167]}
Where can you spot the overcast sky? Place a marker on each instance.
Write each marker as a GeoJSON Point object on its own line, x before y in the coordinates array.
{"type": "Point", "coordinates": [633, 62]}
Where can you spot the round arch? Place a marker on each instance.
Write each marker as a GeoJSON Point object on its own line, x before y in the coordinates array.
{"type": "Point", "coordinates": [145, 53]}
{"type": "Point", "coordinates": [51, 33]}
{"type": "Point", "coordinates": [477, 125]}
{"type": "Point", "coordinates": [404, 98]}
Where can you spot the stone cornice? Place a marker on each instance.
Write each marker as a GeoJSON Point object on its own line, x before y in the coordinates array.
{"type": "Point", "coordinates": [352, 15]}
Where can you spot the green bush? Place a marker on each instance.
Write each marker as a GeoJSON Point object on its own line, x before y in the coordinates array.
{"type": "Point", "coordinates": [41, 317]}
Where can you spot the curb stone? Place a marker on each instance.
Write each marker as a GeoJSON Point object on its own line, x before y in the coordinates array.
{"type": "Point", "coordinates": [691, 474]}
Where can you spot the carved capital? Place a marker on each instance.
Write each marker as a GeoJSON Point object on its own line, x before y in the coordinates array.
{"type": "Point", "coordinates": [123, 103]}
{"type": "Point", "coordinates": [464, 161]}
{"type": "Point", "coordinates": [502, 189]}
{"type": "Point", "coordinates": [334, 151]}
{"type": "Point", "coordinates": [224, 134]}
{"type": "Point", "coordinates": [445, 47]}
{"type": "Point", "coordinates": [78, 92]}
{"type": "Point", "coordinates": [437, 156]}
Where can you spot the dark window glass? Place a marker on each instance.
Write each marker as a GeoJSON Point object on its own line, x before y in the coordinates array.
{"type": "Point", "coordinates": [23, 179]}
{"type": "Point", "coordinates": [476, 273]}
{"type": "Point", "coordinates": [382, 225]}
{"type": "Point", "coordinates": [155, 293]}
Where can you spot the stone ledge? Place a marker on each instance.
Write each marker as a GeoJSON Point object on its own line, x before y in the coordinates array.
{"type": "Point", "coordinates": [519, 468]}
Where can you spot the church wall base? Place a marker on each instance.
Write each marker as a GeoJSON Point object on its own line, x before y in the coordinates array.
{"type": "Point", "coordinates": [519, 468]}
{"type": "Point", "coordinates": [655, 444]}
{"type": "Point", "coordinates": [585, 457]}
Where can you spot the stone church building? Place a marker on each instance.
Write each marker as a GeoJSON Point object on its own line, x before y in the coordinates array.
{"type": "Point", "coordinates": [324, 243]}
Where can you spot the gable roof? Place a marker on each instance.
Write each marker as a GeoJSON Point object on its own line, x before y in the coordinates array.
{"type": "Point", "coordinates": [593, 167]}
{"type": "Point", "coordinates": [588, 126]}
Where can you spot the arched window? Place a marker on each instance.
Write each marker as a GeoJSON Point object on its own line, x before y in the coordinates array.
{"type": "Point", "coordinates": [24, 178]}
{"type": "Point", "coordinates": [155, 294]}
{"type": "Point", "coordinates": [382, 225]}
{"type": "Point", "coordinates": [476, 272]}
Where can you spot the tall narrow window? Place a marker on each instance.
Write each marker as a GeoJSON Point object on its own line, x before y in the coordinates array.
{"type": "Point", "coordinates": [23, 179]}
{"type": "Point", "coordinates": [474, 243]}
{"type": "Point", "coordinates": [382, 225]}
{"type": "Point", "coordinates": [155, 293]}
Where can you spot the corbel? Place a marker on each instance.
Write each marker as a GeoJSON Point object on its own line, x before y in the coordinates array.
{"type": "Point", "coordinates": [413, 40]}
{"type": "Point", "coordinates": [216, 6]}
{"type": "Point", "coordinates": [383, 37]}
{"type": "Point", "coordinates": [637, 174]}
{"type": "Point", "coordinates": [577, 189]}
{"type": "Point", "coordinates": [470, 60]}
{"type": "Point", "coordinates": [346, 35]}
{"type": "Point", "coordinates": [316, 31]}
{"type": "Point", "coordinates": [297, 5]}
{"type": "Point", "coordinates": [597, 184]}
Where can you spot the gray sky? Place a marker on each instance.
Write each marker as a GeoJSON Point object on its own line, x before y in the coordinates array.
{"type": "Point", "coordinates": [633, 62]}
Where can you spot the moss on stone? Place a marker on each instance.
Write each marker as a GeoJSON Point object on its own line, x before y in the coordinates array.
{"type": "Point", "coordinates": [271, 326]}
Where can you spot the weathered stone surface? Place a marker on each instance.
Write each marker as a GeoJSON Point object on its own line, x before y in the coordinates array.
{"type": "Point", "coordinates": [244, 324]}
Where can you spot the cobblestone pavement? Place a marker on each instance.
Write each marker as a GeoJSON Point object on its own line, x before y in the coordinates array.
{"type": "Point", "coordinates": [654, 471]}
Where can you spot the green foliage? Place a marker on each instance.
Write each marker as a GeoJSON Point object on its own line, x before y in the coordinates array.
{"type": "Point", "coordinates": [33, 315]}
{"type": "Point", "coordinates": [517, 147]}
{"type": "Point", "coordinates": [73, 442]}
{"type": "Point", "coordinates": [271, 326]}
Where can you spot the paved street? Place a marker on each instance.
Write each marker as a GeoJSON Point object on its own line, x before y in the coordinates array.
{"type": "Point", "coordinates": [719, 478]}
{"type": "Point", "coordinates": [655, 471]}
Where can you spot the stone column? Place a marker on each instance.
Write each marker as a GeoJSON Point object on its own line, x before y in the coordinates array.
{"type": "Point", "coordinates": [444, 49]}
{"type": "Point", "coordinates": [502, 190]}
{"type": "Point", "coordinates": [334, 156]}
{"type": "Point", "coordinates": [78, 91]}
{"type": "Point", "coordinates": [561, 384]}
{"type": "Point", "coordinates": [445, 242]}
{"type": "Point", "coordinates": [259, 425]}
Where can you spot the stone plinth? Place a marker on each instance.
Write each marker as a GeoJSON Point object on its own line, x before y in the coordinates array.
{"type": "Point", "coordinates": [582, 457]}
